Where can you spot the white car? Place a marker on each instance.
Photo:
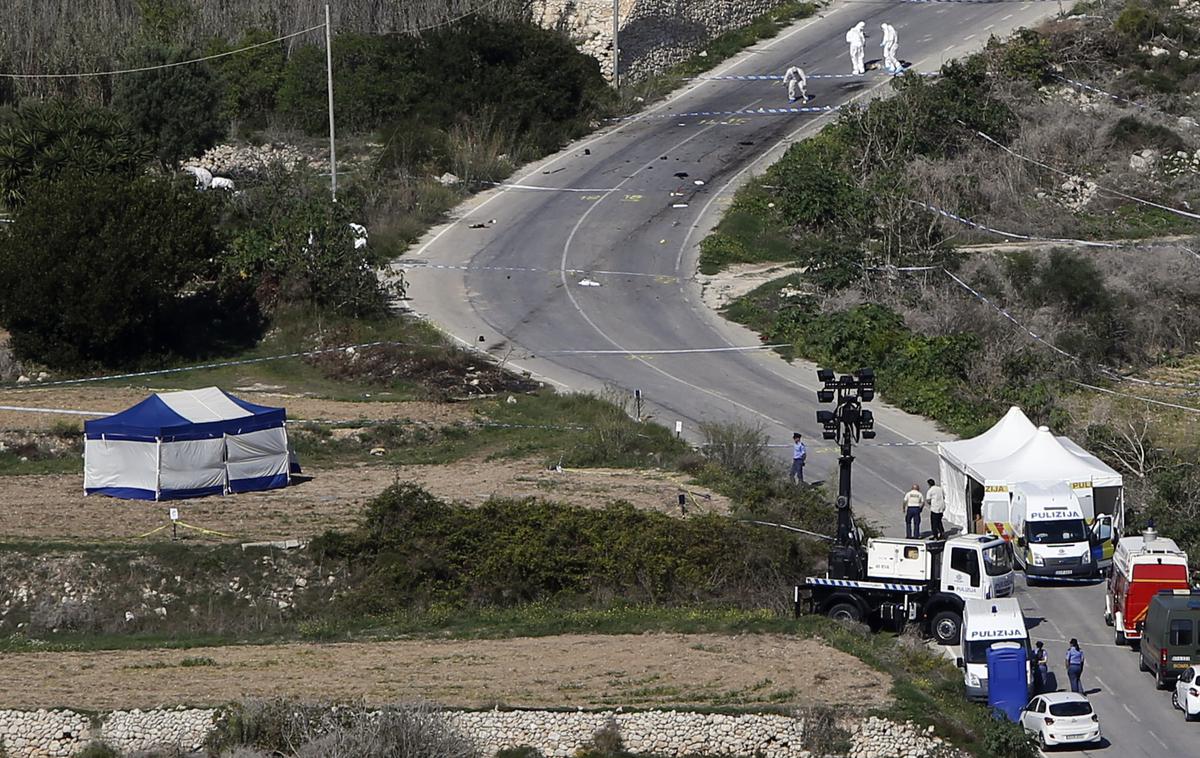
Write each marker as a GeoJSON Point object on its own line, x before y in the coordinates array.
{"type": "Point", "coordinates": [1187, 693]}
{"type": "Point", "coordinates": [1061, 718]}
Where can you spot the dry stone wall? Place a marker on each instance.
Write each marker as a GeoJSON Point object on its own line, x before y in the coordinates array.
{"type": "Point", "coordinates": [64, 733]}
{"type": "Point", "coordinates": [654, 34]}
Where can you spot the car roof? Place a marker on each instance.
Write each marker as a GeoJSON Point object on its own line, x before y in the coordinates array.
{"type": "Point", "coordinates": [1064, 697]}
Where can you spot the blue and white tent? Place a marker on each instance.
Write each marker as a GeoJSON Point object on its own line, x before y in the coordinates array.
{"type": "Point", "coordinates": [186, 444]}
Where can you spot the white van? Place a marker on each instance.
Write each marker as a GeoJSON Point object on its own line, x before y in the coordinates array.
{"type": "Point", "coordinates": [1050, 524]}
{"type": "Point", "coordinates": [986, 622]}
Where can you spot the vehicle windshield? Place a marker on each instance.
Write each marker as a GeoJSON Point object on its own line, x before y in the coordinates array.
{"type": "Point", "coordinates": [976, 652]}
{"type": "Point", "coordinates": [997, 561]}
{"type": "Point", "coordinates": [1071, 708]}
{"type": "Point", "coordinates": [1055, 532]}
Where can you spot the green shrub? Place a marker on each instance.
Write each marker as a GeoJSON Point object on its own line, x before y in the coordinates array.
{"type": "Point", "coordinates": [177, 110]}
{"type": "Point", "coordinates": [43, 141]}
{"type": "Point", "coordinates": [539, 87]}
{"type": "Point", "coordinates": [814, 185]}
{"type": "Point", "coordinates": [414, 550]}
{"type": "Point", "coordinates": [1005, 739]}
{"type": "Point", "coordinates": [296, 246]}
{"type": "Point", "coordinates": [1133, 133]}
{"type": "Point", "coordinates": [102, 271]}
{"type": "Point", "coordinates": [98, 750]}
{"type": "Point", "coordinates": [249, 81]}
{"type": "Point", "coordinates": [1025, 55]}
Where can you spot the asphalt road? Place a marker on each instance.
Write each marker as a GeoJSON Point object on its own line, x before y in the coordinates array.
{"type": "Point", "coordinates": [630, 223]}
{"type": "Point", "coordinates": [619, 202]}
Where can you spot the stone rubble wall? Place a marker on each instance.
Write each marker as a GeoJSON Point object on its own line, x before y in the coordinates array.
{"type": "Point", "coordinates": [557, 734]}
{"type": "Point", "coordinates": [63, 733]}
{"type": "Point", "coordinates": [654, 34]}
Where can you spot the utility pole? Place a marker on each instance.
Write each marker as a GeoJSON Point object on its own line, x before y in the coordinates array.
{"type": "Point", "coordinates": [616, 45]}
{"type": "Point", "coordinates": [329, 80]}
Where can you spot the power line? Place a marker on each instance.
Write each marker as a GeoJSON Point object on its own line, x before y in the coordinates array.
{"type": "Point", "coordinates": [141, 69]}
{"type": "Point", "coordinates": [1060, 172]}
{"type": "Point", "coordinates": [1187, 408]}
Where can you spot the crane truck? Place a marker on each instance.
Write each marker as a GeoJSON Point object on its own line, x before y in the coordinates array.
{"type": "Point", "coordinates": [894, 582]}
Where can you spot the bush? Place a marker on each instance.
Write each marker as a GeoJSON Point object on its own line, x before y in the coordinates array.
{"type": "Point", "coordinates": [296, 246]}
{"type": "Point", "coordinates": [98, 750]}
{"type": "Point", "coordinates": [103, 271]}
{"type": "Point", "coordinates": [177, 110]}
{"type": "Point", "coordinates": [250, 81]}
{"type": "Point", "coordinates": [605, 743]}
{"type": "Point", "coordinates": [44, 141]}
{"type": "Point", "coordinates": [822, 734]}
{"type": "Point", "coordinates": [414, 550]}
{"type": "Point", "coordinates": [332, 731]}
{"type": "Point", "coordinates": [1133, 134]}
{"type": "Point", "coordinates": [1004, 739]}
{"type": "Point", "coordinates": [1025, 55]}
{"type": "Point", "coordinates": [541, 90]}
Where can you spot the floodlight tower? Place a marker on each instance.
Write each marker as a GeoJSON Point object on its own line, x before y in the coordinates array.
{"type": "Point", "coordinates": [846, 424]}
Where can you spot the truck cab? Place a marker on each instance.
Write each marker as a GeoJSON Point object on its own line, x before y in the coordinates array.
{"type": "Point", "coordinates": [1053, 537]}
{"type": "Point", "coordinates": [986, 623]}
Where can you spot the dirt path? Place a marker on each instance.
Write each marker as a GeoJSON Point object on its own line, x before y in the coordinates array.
{"type": "Point", "coordinates": [299, 407]}
{"type": "Point", "coordinates": [565, 671]}
{"type": "Point", "coordinates": [53, 507]}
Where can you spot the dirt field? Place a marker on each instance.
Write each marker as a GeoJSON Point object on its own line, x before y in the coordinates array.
{"type": "Point", "coordinates": [299, 407]}
{"type": "Point", "coordinates": [53, 507]}
{"type": "Point", "coordinates": [565, 671]}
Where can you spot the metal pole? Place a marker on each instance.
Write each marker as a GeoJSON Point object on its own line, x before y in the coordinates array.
{"type": "Point", "coordinates": [329, 80]}
{"type": "Point", "coordinates": [616, 46]}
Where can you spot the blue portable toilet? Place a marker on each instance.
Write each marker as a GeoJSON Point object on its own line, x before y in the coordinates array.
{"type": "Point", "coordinates": [1008, 678]}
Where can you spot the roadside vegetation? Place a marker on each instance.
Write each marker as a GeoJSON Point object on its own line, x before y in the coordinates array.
{"type": "Point", "coordinates": [852, 206]}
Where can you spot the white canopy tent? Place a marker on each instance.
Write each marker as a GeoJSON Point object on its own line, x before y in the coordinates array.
{"type": "Point", "coordinates": [189, 443]}
{"type": "Point", "coordinates": [1013, 452]}
{"type": "Point", "coordinates": [957, 460]}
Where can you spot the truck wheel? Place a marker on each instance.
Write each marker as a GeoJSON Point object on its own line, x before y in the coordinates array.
{"type": "Point", "coordinates": [845, 612]}
{"type": "Point", "coordinates": [1142, 663]}
{"type": "Point", "coordinates": [1120, 638]}
{"type": "Point", "coordinates": [947, 627]}
{"type": "Point", "coordinates": [1160, 681]}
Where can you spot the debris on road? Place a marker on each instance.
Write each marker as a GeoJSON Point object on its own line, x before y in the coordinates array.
{"type": "Point", "coordinates": [588, 283]}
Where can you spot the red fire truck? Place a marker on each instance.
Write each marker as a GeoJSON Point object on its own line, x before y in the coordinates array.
{"type": "Point", "coordinates": [1142, 566]}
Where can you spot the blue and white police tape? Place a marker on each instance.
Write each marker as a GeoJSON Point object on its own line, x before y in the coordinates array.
{"type": "Point", "coordinates": [1099, 91]}
{"type": "Point", "coordinates": [745, 112]}
{"type": "Point", "coordinates": [1013, 235]}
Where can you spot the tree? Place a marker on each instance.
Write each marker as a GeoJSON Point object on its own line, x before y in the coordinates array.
{"type": "Point", "coordinates": [177, 109]}
{"type": "Point", "coordinates": [297, 247]}
{"type": "Point", "coordinates": [103, 271]}
{"type": "Point", "coordinates": [45, 141]}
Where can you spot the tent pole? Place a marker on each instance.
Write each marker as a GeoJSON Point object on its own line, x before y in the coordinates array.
{"type": "Point", "coordinates": [157, 468]}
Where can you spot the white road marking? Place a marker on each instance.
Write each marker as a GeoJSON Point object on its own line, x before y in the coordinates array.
{"type": "Point", "coordinates": [1131, 713]}
{"type": "Point", "coordinates": [566, 251]}
{"type": "Point", "coordinates": [573, 149]}
{"type": "Point", "coordinates": [969, 36]}
{"type": "Point", "coordinates": [1156, 739]}
{"type": "Point", "coordinates": [1007, 17]}
{"type": "Point", "coordinates": [1102, 684]}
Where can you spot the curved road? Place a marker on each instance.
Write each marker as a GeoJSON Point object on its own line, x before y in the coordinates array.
{"type": "Point", "coordinates": [627, 207]}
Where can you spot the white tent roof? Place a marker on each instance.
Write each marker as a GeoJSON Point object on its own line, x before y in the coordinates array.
{"type": "Point", "coordinates": [1007, 436]}
{"type": "Point", "coordinates": [1099, 479]}
{"type": "Point", "coordinates": [1044, 458]}
{"type": "Point", "coordinates": [203, 405]}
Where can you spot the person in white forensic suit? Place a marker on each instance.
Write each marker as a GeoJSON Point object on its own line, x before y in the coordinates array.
{"type": "Point", "coordinates": [797, 84]}
{"type": "Point", "coordinates": [891, 41]}
{"type": "Point", "coordinates": [858, 43]}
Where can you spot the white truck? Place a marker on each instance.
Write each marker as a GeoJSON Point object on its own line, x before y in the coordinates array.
{"type": "Point", "coordinates": [1048, 525]}
{"type": "Point", "coordinates": [915, 581]}
{"type": "Point", "coordinates": [986, 623]}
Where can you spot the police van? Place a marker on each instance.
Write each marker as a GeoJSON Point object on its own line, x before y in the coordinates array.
{"type": "Point", "coordinates": [986, 623]}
